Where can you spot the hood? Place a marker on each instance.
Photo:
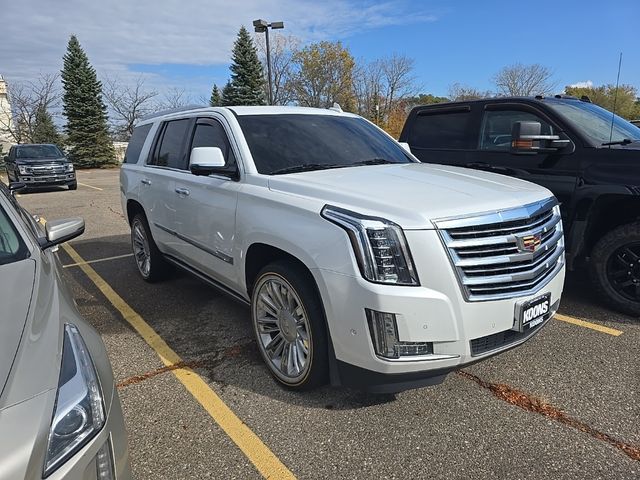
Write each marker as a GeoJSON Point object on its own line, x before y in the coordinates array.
{"type": "Point", "coordinates": [411, 195]}
{"type": "Point", "coordinates": [49, 161]}
{"type": "Point", "coordinates": [15, 300]}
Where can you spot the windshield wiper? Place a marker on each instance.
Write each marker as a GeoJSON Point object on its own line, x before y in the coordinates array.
{"type": "Point", "coordinates": [624, 141]}
{"type": "Point", "coordinates": [371, 161]}
{"type": "Point", "coordinates": [306, 168]}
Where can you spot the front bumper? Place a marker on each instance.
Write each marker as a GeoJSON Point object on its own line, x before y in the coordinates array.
{"type": "Point", "coordinates": [433, 312]}
{"type": "Point", "coordinates": [47, 180]}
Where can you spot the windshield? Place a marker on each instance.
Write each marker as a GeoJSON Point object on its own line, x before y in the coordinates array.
{"type": "Point", "coordinates": [298, 142]}
{"type": "Point", "coordinates": [38, 151]}
{"type": "Point", "coordinates": [595, 122]}
{"type": "Point", "coordinates": [12, 248]}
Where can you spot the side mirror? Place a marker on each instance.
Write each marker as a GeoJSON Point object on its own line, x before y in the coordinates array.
{"type": "Point", "coordinates": [60, 231]}
{"type": "Point", "coordinates": [405, 146]}
{"type": "Point", "coordinates": [206, 160]}
{"type": "Point", "coordinates": [526, 139]}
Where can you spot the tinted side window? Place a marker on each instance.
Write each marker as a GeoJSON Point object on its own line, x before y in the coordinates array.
{"type": "Point", "coordinates": [170, 152]}
{"type": "Point", "coordinates": [212, 134]}
{"type": "Point", "coordinates": [136, 142]}
{"type": "Point", "coordinates": [495, 133]}
{"type": "Point", "coordinates": [442, 130]}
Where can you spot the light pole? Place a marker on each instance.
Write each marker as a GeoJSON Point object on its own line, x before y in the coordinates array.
{"type": "Point", "coordinates": [264, 26]}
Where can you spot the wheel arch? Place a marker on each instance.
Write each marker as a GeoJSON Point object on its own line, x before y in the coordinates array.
{"type": "Point", "coordinates": [605, 214]}
{"type": "Point", "coordinates": [133, 208]}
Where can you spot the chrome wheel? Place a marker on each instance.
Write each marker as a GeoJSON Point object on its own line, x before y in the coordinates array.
{"type": "Point", "coordinates": [282, 328]}
{"type": "Point", "coordinates": [140, 245]}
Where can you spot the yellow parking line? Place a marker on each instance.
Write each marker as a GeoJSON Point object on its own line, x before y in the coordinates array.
{"type": "Point", "coordinates": [585, 324]}
{"type": "Point", "coordinates": [90, 186]}
{"type": "Point", "coordinates": [257, 452]}
{"type": "Point", "coordinates": [87, 262]}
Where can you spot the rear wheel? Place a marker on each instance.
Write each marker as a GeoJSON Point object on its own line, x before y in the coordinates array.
{"type": "Point", "coordinates": [615, 268]}
{"type": "Point", "coordinates": [149, 260]}
{"type": "Point", "coordinates": [289, 325]}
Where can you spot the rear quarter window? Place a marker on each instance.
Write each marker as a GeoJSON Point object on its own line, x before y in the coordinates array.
{"type": "Point", "coordinates": [451, 130]}
{"type": "Point", "coordinates": [136, 142]}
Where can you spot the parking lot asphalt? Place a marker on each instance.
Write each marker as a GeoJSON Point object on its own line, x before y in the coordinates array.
{"type": "Point", "coordinates": [564, 405]}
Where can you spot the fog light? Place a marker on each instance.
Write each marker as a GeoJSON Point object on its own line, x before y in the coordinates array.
{"type": "Point", "coordinates": [384, 334]}
{"type": "Point", "coordinates": [104, 462]}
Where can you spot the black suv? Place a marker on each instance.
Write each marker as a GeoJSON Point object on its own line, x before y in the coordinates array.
{"type": "Point", "coordinates": [587, 156]}
{"type": "Point", "coordinates": [39, 165]}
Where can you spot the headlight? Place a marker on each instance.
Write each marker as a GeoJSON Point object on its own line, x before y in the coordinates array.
{"type": "Point", "coordinates": [23, 169]}
{"type": "Point", "coordinates": [380, 246]}
{"type": "Point", "coordinates": [79, 410]}
{"type": "Point", "coordinates": [69, 168]}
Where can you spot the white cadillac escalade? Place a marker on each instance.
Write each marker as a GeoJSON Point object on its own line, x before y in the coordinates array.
{"type": "Point", "coordinates": [360, 265]}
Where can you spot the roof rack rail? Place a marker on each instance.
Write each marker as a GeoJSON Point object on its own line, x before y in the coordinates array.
{"type": "Point", "coordinates": [161, 113]}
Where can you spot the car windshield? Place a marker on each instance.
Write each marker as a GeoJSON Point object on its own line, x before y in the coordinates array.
{"type": "Point", "coordinates": [38, 151]}
{"type": "Point", "coordinates": [297, 142]}
{"type": "Point", "coordinates": [12, 248]}
{"type": "Point", "coordinates": [595, 122]}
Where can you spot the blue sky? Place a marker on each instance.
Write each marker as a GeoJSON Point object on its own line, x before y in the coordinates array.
{"type": "Point", "coordinates": [187, 43]}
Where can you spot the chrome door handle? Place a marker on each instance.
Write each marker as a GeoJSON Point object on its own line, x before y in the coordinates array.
{"type": "Point", "coordinates": [145, 181]}
{"type": "Point", "coordinates": [182, 191]}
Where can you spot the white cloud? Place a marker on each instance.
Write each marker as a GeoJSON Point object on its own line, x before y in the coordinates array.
{"type": "Point", "coordinates": [117, 34]}
{"type": "Point", "coordinates": [585, 84]}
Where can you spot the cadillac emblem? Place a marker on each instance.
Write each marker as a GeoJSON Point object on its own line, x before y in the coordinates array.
{"type": "Point", "coordinates": [530, 243]}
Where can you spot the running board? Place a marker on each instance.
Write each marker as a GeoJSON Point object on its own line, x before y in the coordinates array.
{"type": "Point", "coordinates": [207, 279]}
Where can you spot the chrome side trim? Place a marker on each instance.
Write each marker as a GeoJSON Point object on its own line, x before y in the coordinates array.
{"type": "Point", "coordinates": [216, 253]}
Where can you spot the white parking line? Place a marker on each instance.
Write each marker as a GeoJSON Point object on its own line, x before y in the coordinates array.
{"type": "Point", "coordinates": [90, 186]}
{"type": "Point", "coordinates": [98, 260]}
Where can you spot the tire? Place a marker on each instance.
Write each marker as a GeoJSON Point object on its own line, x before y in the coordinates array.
{"type": "Point", "coordinates": [615, 268]}
{"type": "Point", "coordinates": [279, 287]}
{"type": "Point", "coordinates": [73, 186]}
{"type": "Point", "coordinates": [149, 260]}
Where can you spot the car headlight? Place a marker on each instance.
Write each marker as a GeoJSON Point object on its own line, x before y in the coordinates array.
{"type": "Point", "coordinates": [23, 169]}
{"type": "Point", "coordinates": [79, 412]}
{"type": "Point", "coordinates": [68, 168]}
{"type": "Point", "coordinates": [380, 246]}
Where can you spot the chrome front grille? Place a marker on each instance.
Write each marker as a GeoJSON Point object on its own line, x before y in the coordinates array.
{"type": "Point", "coordinates": [47, 170]}
{"type": "Point", "coordinates": [506, 253]}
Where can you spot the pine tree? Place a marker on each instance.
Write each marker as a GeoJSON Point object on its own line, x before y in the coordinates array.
{"type": "Point", "coordinates": [216, 97]}
{"type": "Point", "coordinates": [44, 130]}
{"type": "Point", "coordinates": [247, 79]}
{"type": "Point", "coordinates": [87, 134]}
{"type": "Point", "coordinates": [227, 94]}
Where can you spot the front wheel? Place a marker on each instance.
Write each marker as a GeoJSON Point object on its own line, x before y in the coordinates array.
{"type": "Point", "coordinates": [288, 321]}
{"type": "Point", "coordinates": [615, 268]}
{"type": "Point", "coordinates": [73, 186]}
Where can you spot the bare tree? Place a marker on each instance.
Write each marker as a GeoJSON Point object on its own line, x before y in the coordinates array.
{"type": "Point", "coordinates": [399, 81]}
{"type": "Point", "coordinates": [460, 93]}
{"type": "Point", "coordinates": [367, 88]}
{"type": "Point", "coordinates": [381, 86]}
{"type": "Point", "coordinates": [128, 103]}
{"type": "Point", "coordinates": [525, 80]}
{"type": "Point", "coordinates": [27, 99]}
{"type": "Point", "coordinates": [175, 97]}
{"type": "Point", "coordinates": [282, 50]}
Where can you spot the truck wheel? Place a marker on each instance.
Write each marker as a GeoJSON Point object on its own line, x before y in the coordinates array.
{"type": "Point", "coordinates": [149, 260]}
{"type": "Point", "coordinates": [288, 321]}
{"type": "Point", "coordinates": [615, 268]}
{"type": "Point", "coordinates": [73, 186]}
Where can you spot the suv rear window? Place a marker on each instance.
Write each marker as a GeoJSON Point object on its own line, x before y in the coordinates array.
{"type": "Point", "coordinates": [136, 142]}
{"type": "Point", "coordinates": [450, 130]}
{"type": "Point", "coordinates": [170, 152]}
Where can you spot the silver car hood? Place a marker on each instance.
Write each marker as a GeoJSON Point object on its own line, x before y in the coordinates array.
{"type": "Point", "coordinates": [15, 301]}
